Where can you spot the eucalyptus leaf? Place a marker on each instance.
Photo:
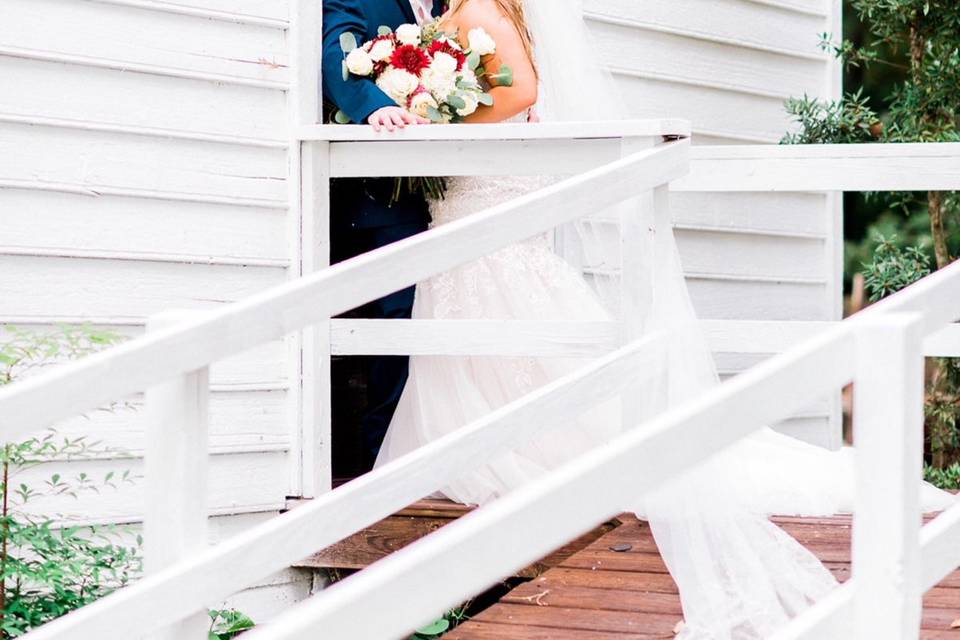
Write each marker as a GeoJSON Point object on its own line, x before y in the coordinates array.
{"type": "Point", "coordinates": [434, 115]}
{"type": "Point", "coordinates": [503, 77]}
{"type": "Point", "coordinates": [345, 70]}
{"type": "Point", "coordinates": [485, 99]}
{"type": "Point", "coordinates": [435, 628]}
{"type": "Point", "coordinates": [341, 118]}
{"type": "Point", "coordinates": [473, 60]}
{"type": "Point", "coordinates": [456, 102]}
{"type": "Point", "coordinates": [348, 42]}
{"type": "Point", "coordinates": [384, 30]}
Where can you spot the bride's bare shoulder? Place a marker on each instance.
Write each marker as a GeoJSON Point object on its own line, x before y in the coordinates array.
{"type": "Point", "coordinates": [479, 13]}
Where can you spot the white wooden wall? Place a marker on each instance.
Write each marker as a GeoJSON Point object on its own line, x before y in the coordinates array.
{"type": "Point", "coordinates": [143, 166]}
{"type": "Point", "coordinates": [727, 66]}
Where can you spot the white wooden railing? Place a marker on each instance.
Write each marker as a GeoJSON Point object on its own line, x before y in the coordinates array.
{"type": "Point", "coordinates": [881, 349]}
{"type": "Point", "coordinates": [171, 361]}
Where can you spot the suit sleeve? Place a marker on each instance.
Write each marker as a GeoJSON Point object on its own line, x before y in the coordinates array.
{"type": "Point", "coordinates": [357, 97]}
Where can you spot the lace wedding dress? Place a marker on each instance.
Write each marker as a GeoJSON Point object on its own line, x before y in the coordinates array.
{"type": "Point", "coordinates": [740, 577]}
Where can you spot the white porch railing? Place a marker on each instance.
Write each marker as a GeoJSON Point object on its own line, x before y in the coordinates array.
{"type": "Point", "coordinates": [880, 349]}
{"type": "Point", "coordinates": [172, 359]}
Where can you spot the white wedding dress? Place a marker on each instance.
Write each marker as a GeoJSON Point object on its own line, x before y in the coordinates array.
{"type": "Point", "coordinates": [740, 577]}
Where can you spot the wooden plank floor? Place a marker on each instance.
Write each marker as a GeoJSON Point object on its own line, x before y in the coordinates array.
{"type": "Point", "coordinates": [617, 588]}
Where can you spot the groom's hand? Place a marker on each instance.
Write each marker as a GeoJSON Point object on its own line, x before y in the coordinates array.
{"type": "Point", "coordinates": [393, 118]}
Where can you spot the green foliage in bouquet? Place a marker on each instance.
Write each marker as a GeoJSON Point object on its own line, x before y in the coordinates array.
{"type": "Point", "coordinates": [48, 568]}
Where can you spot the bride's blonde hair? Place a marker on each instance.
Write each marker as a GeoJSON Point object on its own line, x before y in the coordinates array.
{"type": "Point", "coordinates": [513, 10]}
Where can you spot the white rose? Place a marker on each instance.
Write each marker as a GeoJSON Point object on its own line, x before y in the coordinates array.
{"type": "Point", "coordinates": [469, 77]}
{"type": "Point", "coordinates": [471, 104]}
{"type": "Point", "coordinates": [441, 85]}
{"type": "Point", "coordinates": [480, 42]}
{"type": "Point", "coordinates": [381, 50]}
{"type": "Point", "coordinates": [398, 84]}
{"type": "Point", "coordinates": [408, 34]}
{"type": "Point", "coordinates": [359, 63]}
{"type": "Point", "coordinates": [444, 63]}
{"type": "Point", "coordinates": [421, 103]}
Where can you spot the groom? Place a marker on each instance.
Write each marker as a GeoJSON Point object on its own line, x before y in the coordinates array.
{"type": "Point", "coordinates": [362, 217]}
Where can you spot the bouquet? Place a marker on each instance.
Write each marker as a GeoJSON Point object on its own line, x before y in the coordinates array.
{"type": "Point", "coordinates": [429, 73]}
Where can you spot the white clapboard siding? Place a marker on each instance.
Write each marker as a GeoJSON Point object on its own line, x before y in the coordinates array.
{"type": "Point", "coordinates": [72, 95]}
{"type": "Point", "coordinates": [143, 166]}
{"type": "Point", "coordinates": [727, 66]}
{"type": "Point", "coordinates": [94, 161]}
{"type": "Point", "coordinates": [48, 222]}
{"type": "Point", "coordinates": [128, 36]}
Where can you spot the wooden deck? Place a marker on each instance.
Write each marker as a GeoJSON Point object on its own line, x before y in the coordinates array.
{"type": "Point", "coordinates": [608, 585]}
{"type": "Point", "coordinates": [618, 588]}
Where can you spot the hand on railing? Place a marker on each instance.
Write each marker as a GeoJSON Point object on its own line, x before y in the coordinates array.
{"type": "Point", "coordinates": [393, 118]}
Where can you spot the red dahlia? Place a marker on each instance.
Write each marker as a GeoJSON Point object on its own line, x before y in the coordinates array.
{"type": "Point", "coordinates": [444, 46]}
{"type": "Point", "coordinates": [410, 58]}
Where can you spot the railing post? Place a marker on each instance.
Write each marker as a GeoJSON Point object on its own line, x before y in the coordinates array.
{"type": "Point", "coordinates": [888, 436]}
{"type": "Point", "coordinates": [317, 408]}
{"type": "Point", "coordinates": [640, 249]}
{"type": "Point", "coordinates": [176, 461]}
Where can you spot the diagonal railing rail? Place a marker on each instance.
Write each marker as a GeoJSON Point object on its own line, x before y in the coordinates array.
{"type": "Point", "coordinates": [171, 362]}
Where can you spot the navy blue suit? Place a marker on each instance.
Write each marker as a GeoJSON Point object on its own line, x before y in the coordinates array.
{"type": "Point", "coordinates": [362, 217]}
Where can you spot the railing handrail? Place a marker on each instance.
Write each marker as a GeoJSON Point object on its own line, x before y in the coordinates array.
{"type": "Point", "coordinates": [132, 367]}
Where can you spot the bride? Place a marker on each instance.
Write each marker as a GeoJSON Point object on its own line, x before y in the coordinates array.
{"type": "Point", "coordinates": [740, 577]}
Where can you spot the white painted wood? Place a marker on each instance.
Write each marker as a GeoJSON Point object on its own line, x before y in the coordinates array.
{"type": "Point", "coordinates": [611, 130]}
{"type": "Point", "coordinates": [115, 36]}
{"type": "Point", "coordinates": [940, 551]}
{"type": "Point", "coordinates": [680, 58]}
{"type": "Point", "coordinates": [888, 432]}
{"type": "Point", "coordinates": [47, 286]}
{"type": "Point", "coordinates": [465, 557]}
{"type": "Point", "coordinates": [175, 522]}
{"type": "Point", "coordinates": [867, 167]}
{"type": "Point", "coordinates": [161, 105]}
{"type": "Point", "coordinates": [737, 23]}
{"type": "Point", "coordinates": [267, 12]}
{"type": "Point", "coordinates": [474, 337]}
{"type": "Point", "coordinates": [830, 619]}
{"type": "Point", "coordinates": [292, 306]}
{"type": "Point", "coordinates": [93, 162]}
{"type": "Point", "coordinates": [317, 427]}
{"type": "Point", "coordinates": [334, 515]}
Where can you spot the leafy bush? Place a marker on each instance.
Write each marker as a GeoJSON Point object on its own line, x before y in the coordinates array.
{"type": "Point", "coordinates": [947, 479]}
{"type": "Point", "coordinates": [226, 624]}
{"type": "Point", "coordinates": [849, 120]}
{"type": "Point", "coordinates": [893, 268]}
{"type": "Point", "coordinates": [48, 568]}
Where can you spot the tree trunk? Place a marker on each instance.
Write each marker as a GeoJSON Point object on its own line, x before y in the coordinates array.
{"type": "Point", "coordinates": [937, 229]}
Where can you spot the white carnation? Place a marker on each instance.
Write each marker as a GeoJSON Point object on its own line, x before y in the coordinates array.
{"type": "Point", "coordinates": [381, 50]}
{"type": "Point", "coordinates": [398, 84]}
{"type": "Point", "coordinates": [471, 104]}
{"type": "Point", "coordinates": [441, 85]}
{"type": "Point", "coordinates": [359, 63]}
{"type": "Point", "coordinates": [444, 63]}
{"type": "Point", "coordinates": [421, 102]}
{"type": "Point", "coordinates": [408, 34]}
{"type": "Point", "coordinates": [480, 42]}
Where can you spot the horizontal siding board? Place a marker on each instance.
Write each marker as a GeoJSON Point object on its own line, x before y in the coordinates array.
{"type": "Point", "coordinates": [238, 483]}
{"type": "Point", "coordinates": [741, 300]}
{"type": "Point", "coordinates": [51, 221]}
{"type": "Point", "coordinates": [747, 23]}
{"type": "Point", "coordinates": [41, 287]}
{"type": "Point", "coordinates": [247, 420]}
{"type": "Point", "coordinates": [123, 36]}
{"type": "Point", "coordinates": [721, 112]}
{"type": "Point", "coordinates": [663, 55]}
{"type": "Point", "coordinates": [267, 9]}
{"type": "Point", "coordinates": [91, 160]}
{"type": "Point", "coordinates": [794, 213]}
{"type": "Point", "coordinates": [733, 254]}
{"type": "Point", "coordinates": [78, 94]}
